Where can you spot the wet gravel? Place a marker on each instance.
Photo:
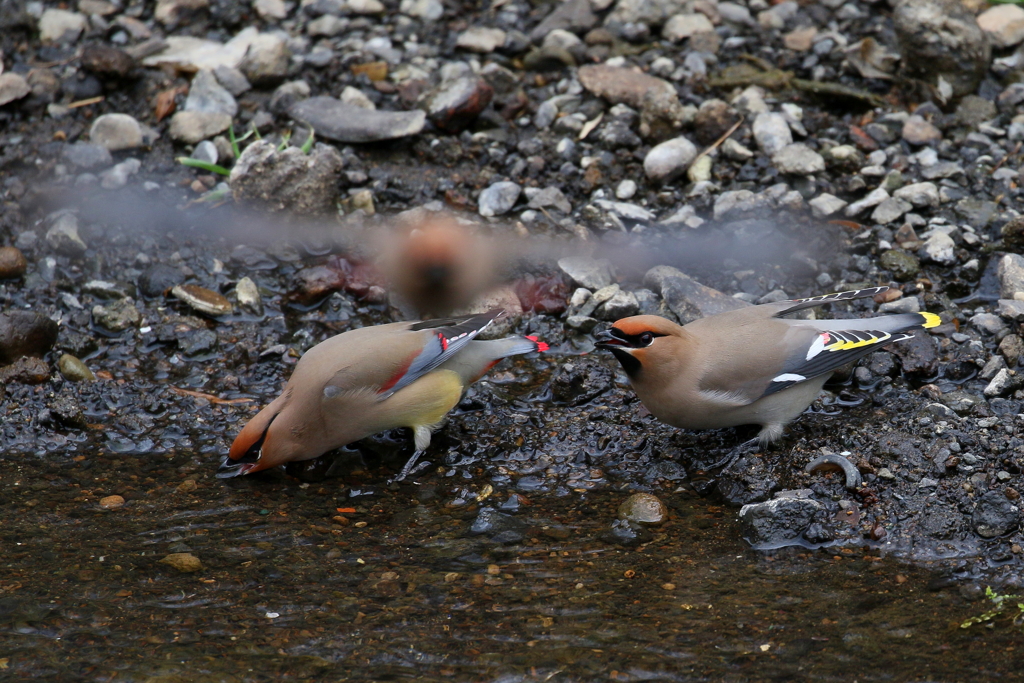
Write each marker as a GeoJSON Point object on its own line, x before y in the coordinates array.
{"type": "Point", "coordinates": [754, 152]}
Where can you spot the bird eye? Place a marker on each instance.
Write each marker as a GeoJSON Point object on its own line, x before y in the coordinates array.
{"type": "Point", "coordinates": [646, 338]}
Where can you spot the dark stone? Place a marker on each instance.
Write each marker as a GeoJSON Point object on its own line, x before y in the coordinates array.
{"type": "Point", "coordinates": [626, 533]}
{"type": "Point", "coordinates": [25, 370]}
{"type": "Point", "coordinates": [577, 382]}
{"type": "Point", "coordinates": [457, 103]}
{"type": "Point", "coordinates": [941, 39]}
{"type": "Point", "coordinates": [489, 522]}
{"type": "Point", "coordinates": [918, 355]}
{"type": "Point", "coordinates": [159, 278]}
{"type": "Point", "coordinates": [65, 410]}
{"type": "Point", "coordinates": [961, 402]}
{"type": "Point", "coordinates": [943, 522]}
{"type": "Point", "coordinates": [107, 62]}
{"type": "Point", "coordinates": [995, 515]}
{"type": "Point", "coordinates": [572, 15]}
{"type": "Point", "coordinates": [25, 333]}
{"type": "Point", "coordinates": [976, 212]}
{"type": "Point", "coordinates": [778, 523]}
{"type": "Point", "coordinates": [197, 342]}
{"type": "Point", "coordinates": [713, 120]}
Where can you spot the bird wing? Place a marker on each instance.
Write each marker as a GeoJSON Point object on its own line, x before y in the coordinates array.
{"type": "Point", "coordinates": [447, 337]}
{"type": "Point", "coordinates": [795, 351]}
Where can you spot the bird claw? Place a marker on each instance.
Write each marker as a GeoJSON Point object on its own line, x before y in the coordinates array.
{"type": "Point", "coordinates": [410, 468]}
{"type": "Point", "coordinates": [744, 448]}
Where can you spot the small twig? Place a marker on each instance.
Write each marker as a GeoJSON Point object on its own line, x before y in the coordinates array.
{"type": "Point", "coordinates": [1003, 160]}
{"type": "Point", "coordinates": [210, 397]}
{"type": "Point", "coordinates": [719, 141]}
{"type": "Point", "coordinates": [86, 102]}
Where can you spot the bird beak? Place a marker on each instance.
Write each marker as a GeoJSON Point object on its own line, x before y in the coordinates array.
{"type": "Point", "coordinates": [610, 339]}
{"type": "Point", "coordinates": [247, 448]}
{"type": "Point", "coordinates": [232, 468]}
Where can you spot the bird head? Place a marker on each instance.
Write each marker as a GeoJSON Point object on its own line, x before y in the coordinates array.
{"type": "Point", "coordinates": [263, 443]}
{"type": "Point", "coordinates": [636, 341]}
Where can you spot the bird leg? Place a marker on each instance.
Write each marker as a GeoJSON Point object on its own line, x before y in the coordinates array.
{"type": "Point", "coordinates": [421, 436]}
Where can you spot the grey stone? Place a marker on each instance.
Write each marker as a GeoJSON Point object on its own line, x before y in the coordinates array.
{"type": "Point", "coordinates": [826, 204]}
{"type": "Point", "coordinates": [918, 131]}
{"type": "Point", "coordinates": [87, 155]}
{"type": "Point", "coordinates": [889, 210]}
{"type": "Point", "coordinates": [498, 199]}
{"type": "Point", "coordinates": [1011, 309]}
{"type": "Point", "coordinates": [940, 248]}
{"type": "Point", "coordinates": [289, 179]}
{"type": "Point", "coordinates": [871, 199]}
{"type": "Point", "coordinates": [63, 236]}
{"type": "Point", "coordinates": [919, 194]}
{"type": "Point", "coordinates": [941, 43]}
{"type": "Point", "coordinates": [772, 133]}
{"type": "Point", "coordinates": [431, 10]}
{"type": "Point", "coordinates": [481, 39]}
{"type": "Point", "coordinates": [116, 132]}
{"type": "Point", "coordinates": [116, 177]}
{"type": "Point", "coordinates": [621, 305]}
{"type": "Point", "coordinates": [682, 26]}
{"type": "Point", "coordinates": [594, 274]}
{"type": "Point", "coordinates": [117, 316]}
{"type": "Point", "coordinates": [669, 160]}
{"type": "Point", "coordinates": [61, 26]}
{"type": "Point", "coordinates": [687, 298]}
{"type": "Point", "coordinates": [907, 304]}
{"type": "Point", "coordinates": [192, 127]}
{"type": "Point", "coordinates": [335, 120]}
{"type": "Point", "coordinates": [571, 15]}
{"type": "Point", "coordinates": [1011, 275]}
{"type": "Point", "coordinates": [207, 95]}
{"type": "Point", "coordinates": [233, 80]}
{"type": "Point", "coordinates": [12, 87]}
{"type": "Point", "coordinates": [798, 159]}
{"type": "Point", "coordinates": [1000, 385]}
{"type": "Point", "coordinates": [548, 197]}
{"type": "Point", "coordinates": [988, 323]}
{"type": "Point", "coordinates": [266, 61]}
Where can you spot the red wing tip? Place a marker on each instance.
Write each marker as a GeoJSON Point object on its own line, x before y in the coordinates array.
{"type": "Point", "coordinates": [541, 346]}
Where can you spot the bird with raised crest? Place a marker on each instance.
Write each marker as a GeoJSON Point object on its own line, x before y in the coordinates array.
{"type": "Point", "coordinates": [747, 366]}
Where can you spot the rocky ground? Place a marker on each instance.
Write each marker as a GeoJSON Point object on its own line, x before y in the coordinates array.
{"type": "Point", "coordinates": [694, 156]}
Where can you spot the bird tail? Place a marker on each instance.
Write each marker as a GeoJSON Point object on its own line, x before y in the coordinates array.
{"type": "Point", "coordinates": [891, 324]}
{"type": "Point", "coordinates": [511, 346]}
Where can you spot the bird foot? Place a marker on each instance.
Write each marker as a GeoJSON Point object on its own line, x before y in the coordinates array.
{"type": "Point", "coordinates": [410, 468]}
{"type": "Point", "coordinates": [735, 454]}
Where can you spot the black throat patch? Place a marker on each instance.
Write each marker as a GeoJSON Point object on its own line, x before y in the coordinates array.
{"type": "Point", "coordinates": [630, 364]}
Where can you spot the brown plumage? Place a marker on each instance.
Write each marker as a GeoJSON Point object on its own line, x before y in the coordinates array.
{"type": "Point", "coordinates": [439, 265]}
{"type": "Point", "coordinates": [365, 381]}
{"type": "Point", "coordinates": [746, 366]}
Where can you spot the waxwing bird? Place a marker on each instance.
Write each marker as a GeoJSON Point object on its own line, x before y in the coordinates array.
{"type": "Point", "coordinates": [365, 381]}
{"type": "Point", "coordinates": [747, 366]}
{"type": "Point", "coordinates": [440, 265]}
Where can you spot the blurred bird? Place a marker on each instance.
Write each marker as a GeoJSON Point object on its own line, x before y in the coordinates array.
{"type": "Point", "coordinates": [747, 366]}
{"type": "Point", "coordinates": [440, 265]}
{"type": "Point", "coordinates": [365, 381]}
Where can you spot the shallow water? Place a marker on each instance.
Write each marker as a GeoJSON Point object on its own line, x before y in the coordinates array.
{"type": "Point", "coordinates": [394, 587]}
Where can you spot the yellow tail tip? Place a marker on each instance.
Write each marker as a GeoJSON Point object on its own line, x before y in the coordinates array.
{"type": "Point", "coordinates": [930, 320]}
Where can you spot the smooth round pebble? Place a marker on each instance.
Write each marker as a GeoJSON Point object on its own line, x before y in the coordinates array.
{"type": "Point", "coordinates": [643, 508]}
